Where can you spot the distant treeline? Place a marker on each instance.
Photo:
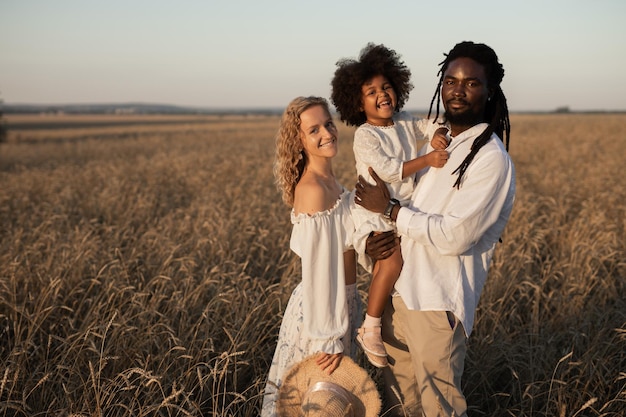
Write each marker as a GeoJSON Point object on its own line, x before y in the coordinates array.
{"type": "Point", "coordinates": [129, 108]}
{"type": "Point", "coordinates": [143, 108]}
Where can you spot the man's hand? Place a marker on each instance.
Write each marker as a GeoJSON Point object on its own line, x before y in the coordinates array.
{"type": "Point", "coordinates": [372, 197]}
{"type": "Point", "coordinates": [381, 245]}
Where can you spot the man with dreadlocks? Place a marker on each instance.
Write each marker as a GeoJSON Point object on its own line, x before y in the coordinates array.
{"type": "Point", "coordinates": [449, 231]}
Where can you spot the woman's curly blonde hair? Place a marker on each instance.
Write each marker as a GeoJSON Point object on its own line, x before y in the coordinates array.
{"type": "Point", "coordinates": [290, 157]}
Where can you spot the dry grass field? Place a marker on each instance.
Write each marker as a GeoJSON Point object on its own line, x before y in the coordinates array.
{"type": "Point", "coordinates": [144, 268]}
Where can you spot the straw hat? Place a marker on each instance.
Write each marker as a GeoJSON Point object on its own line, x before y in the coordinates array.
{"type": "Point", "coordinates": [308, 391]}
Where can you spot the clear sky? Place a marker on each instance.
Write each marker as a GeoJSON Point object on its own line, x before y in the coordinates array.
{"type": "Point", "coordinates": [261, 54]}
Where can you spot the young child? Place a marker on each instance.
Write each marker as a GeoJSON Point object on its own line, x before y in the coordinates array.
{"type": "Point", "coordinates": [370, 93]}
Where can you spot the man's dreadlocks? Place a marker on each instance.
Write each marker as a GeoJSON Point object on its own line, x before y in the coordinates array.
{"type": "Point", "coordinates": [496, 111]}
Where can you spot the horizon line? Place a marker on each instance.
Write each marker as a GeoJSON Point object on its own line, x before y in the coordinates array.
{"type": "Point", "coordinates": [110, 107]}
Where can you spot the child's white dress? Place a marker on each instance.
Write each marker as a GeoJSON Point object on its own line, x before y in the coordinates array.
{"type": "Point", "coordinates": [385, 149]}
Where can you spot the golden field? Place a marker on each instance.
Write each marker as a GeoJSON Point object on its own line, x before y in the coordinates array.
{"type": "Point", "coordinates": [144, 268]}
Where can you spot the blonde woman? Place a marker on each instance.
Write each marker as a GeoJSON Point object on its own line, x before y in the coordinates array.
{"type": "Point", "coordinates": [322, 313]}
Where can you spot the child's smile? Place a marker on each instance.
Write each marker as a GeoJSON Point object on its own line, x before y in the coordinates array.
{"type": "Point", "coordinates": [378, 101]}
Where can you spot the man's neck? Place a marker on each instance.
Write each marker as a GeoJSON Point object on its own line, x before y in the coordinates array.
{"type": "Point", "coordinates": [456, 129]}
{"type": "Point", "coordinates": [459, 124]}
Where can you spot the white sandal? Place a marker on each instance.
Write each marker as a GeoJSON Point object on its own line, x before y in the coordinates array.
{"type": "Point", "coordinates": [374, 349]}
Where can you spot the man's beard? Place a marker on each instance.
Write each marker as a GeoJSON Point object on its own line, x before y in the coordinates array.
{"type": "Point", "coordinates": [466, 118]}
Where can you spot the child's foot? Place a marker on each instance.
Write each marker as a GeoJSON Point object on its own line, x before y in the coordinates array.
{"type": "Point", "coordinates": [371, 341]}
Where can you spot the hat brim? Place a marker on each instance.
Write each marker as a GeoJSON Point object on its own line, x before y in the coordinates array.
{"type": "Point", "coordinates": [349, 375]}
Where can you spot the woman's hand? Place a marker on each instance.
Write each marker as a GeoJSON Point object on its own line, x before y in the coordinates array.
{"type": "Point", "coordinates": [328, 362]}
{"type": "Point", "coordinates": [372, 197]}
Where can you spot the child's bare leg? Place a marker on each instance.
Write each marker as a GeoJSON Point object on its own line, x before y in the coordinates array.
{"type": "Point", "coordinates": [384, 276]}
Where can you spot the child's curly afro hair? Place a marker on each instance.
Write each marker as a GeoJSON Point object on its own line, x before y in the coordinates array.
{"type": "Point", "coordinates": [352, 74]}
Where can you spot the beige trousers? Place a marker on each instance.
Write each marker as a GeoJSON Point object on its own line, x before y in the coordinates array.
{"type": "Point", "coordinates": [426, 357]}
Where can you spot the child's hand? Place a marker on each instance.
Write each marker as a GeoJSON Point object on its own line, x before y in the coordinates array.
{"type": "Point", "coordinates": [437, 158]}
{"type": "Point", "coordinates": [439, 140]}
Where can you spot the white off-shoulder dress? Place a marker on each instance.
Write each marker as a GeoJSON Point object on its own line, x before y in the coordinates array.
{"type": "Point", "coordinates": [322, 314]}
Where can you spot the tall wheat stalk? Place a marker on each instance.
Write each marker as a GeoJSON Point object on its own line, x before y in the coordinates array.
{"type": "Point", "coordinates": [144, 270]}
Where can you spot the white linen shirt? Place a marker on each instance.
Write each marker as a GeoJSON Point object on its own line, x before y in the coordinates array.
{"type": "Point", "coordinates": [449, 234]}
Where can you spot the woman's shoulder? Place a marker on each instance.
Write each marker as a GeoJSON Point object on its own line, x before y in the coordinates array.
{"type": "Point", "coordinates": [309, 197]}
{"type": "Point", "coordinates": [312, 197]}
